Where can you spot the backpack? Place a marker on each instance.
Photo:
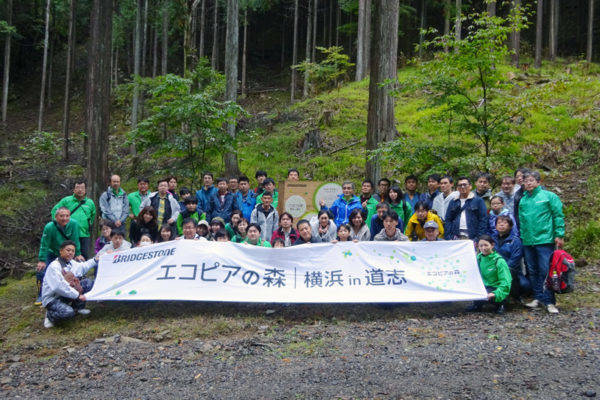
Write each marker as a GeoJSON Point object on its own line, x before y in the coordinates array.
{"type": "Point", "coordinates": [561, 275]}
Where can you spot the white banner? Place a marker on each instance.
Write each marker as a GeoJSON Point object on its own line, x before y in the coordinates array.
{"type": "Point", "coordinates": [364, 272]}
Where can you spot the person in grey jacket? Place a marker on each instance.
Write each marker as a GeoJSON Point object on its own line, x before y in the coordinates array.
{"type": "Point", "coordinates": [265, 216]}
{"type": "Point", "coordinates": [389, 231]}
{"type": "Point", "coordinates": [59, 296]}
{"type": "Point", "coordinates": [163, 200]}
{"type": "Point", "coordinates": [324, 227]}
{"type": "Point", "coordinates": [114, 203]}
{"type": "Point", "coordinates": [359, 230]}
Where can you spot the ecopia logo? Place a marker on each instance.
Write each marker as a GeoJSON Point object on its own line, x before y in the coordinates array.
{"type": "Point", "coordinates": [121, 258]}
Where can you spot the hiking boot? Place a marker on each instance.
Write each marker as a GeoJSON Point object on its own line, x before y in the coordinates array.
{"type": "Point", "coordinates": [551, 308]}
{"type": "Point", "coordinates": [84, 311]}
{"type": "Point", "coordinates": [535, 304]}
{"type": "Point", "coordinates": [473, 308]}
{"type": "Point", "coordinates": [47, 323]}
{"type": "Point", "coordinates": [500, 310]}
{"type": "Point", "coordinates": [38, 301]}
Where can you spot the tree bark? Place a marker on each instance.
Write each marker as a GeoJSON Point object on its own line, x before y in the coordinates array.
{"type": "Point", "coordinates": [144, 39]}
{"type": "Point", "coordinates": [307, 50]}
{"type": "Point", "coordinates": [214, 62]}
{"type": "Point", "coordinates": [360, 41]}
{"type": "Point", "coordinates": [165, 37]}
{"type": "Point", "coordinates": [314, 34]}
{"type": "Point", "coordinates": [539, 29]}
{"type": "Point", "coordinates": [458, 22]}
{"type": "Point", "coordinates": [44, 66]}
{"type": "Point", "coordinates": [9, 7]}
{"type": "Point", "coordinates": [380, 120]}
{"type": "Point", "coordinates": [491, 8]}
{"type": "Point", "coordinates": [446, 22]}
{"type": "Point", "coordinates": [282, 62]}
{"type": "Point", "coordinates": [515, 36]}
{"type": "Point", "coordinates": [136, 67]}
{"type": "Point", "coordinates": [202, 27]}
{"type": "Point", "coordinates": [422, 26]}
{"type": "Point", "coordinates": [552, 32]}
{"type": "Point", "coordinates": [231, 76]}
{"type": "Point", "coordinates": [67, 102]}
{"type": "Point", "coordinates": [155, 53]}
{"type": "Point", "coordinates": [338, 17]}
{"type": "Point", "coordinates": [188, 36]}
{"type": "Point", "coordinates": [367, 41]}
{"type": "Point", "coordinates": [245, 51]}
{"type": "Point", "coordinates": [330, 28]}
{"type": "Point", "coordinates": [294, 51]}
{"type": "Point", "coordinates": [98, 96]}
{"type": "Point", "coordinates": [590, 32]}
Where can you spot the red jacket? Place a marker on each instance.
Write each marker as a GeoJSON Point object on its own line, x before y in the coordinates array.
{"type": "Point", "coordinates": [279, 234]}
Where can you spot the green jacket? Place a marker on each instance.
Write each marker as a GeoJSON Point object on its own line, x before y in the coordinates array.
{"type": "Point", "coordinates": [261, 242]}
{"type": "Point", "coordinates": [541, 217]}
{"type": "Point", "coordinates": [229, 229]}
{"type": "Point", "coordinates": [404, 211]}
{"type": "Point", "coordinates": [193, 216]}
{"type": "Point", "coordinates": [135, 200]}
{"type": "Point", "coordinates": [495, 273]}
{"type": "Point", "coordinates": [371, 210]}
{"type": "Point", "coordinates": [84, 215]}
{"type": "Point", "coordinates": [275, 199]}
{"type": "Point", "coordinates": [52, 238]}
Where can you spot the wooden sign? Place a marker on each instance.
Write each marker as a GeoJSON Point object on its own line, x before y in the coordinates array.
{"type": "Point", "coordinates": [301, 198]}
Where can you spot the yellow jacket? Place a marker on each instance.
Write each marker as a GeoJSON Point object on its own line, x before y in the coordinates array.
{"type": "Point", "coordinates": [414, 227]}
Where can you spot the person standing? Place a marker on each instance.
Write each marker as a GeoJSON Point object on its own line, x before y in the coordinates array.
{"type": "Point", "coordinates": [165, 205]}
{"type": "Point", "coordinates": [542, 228]}
{"type": "Point", "coordinates": [205, 192]}
{"type": "Point", "coordinates": [466, 217]}
{"type": "Point", "coordinates": [245, 198]}
{"type": "Point", "coordinates": [114, 203]}
{"type": "Point", "coordinates": [343, 205]}
{"type": "Point", "coordinates": [441, 202]}
{"type": "Point", "coordinates": [136, 198]}
{"type": "Point", "coordinates": [83, 210]}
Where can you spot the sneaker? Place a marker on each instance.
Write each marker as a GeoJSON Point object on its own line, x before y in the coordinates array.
{"type": "Point", "coordinates": [473, 307]}
{"type": "Point", "coordinates": [551, 308]}
{"type": "Point", "coordinates": [84, 311]}
{"type": "Point", "coordinates": [533, 304]}
{"type": "Point", "coordinates": [47, 323]}
{"type": "Point", "coordinates": [500, 309]}
{"type": "Point", "coordinates": [38, 301]}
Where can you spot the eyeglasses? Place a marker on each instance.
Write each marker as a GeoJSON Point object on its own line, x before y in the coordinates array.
{"type": "Point", "coordinates": [462, 185]}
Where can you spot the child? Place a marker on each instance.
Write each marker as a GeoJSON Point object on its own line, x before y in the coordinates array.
{"type": "Point", "coordinates": [343, 234]}
{"type": "Point", "coordinates": [145, 240]}
{"type": "Point", "coordinates": [498, 208]}
{"type": "Point", "coordinates": [494, 273]}
{"type": "Point", "coordinates": [222, 236]}
{"type": "Point", "coordinates": [278, 243]}
{"type": "Point", "coordinates": [190, 211]}
{"type": "Point", "coordinates": [104, 239]}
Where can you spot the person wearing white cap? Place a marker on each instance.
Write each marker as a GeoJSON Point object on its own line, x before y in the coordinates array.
{"type": "Point", "coordinates": [432, 232]}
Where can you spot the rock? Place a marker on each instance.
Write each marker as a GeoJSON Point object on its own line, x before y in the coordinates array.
{"type": "Point", "coordinates": [15, 358]}
{"type": "Point", "coordinates": [589, 393]}
{"type": "Point", "coordinates": [5, 380]}
{"type": "Point", "coordinates": [127, 339]}
{"type": "Point", "coordinates": [70, 350]}
{"type": "Point", "coordinates": [100, 340]}
{"type": "Point", "coordinates": [117, 338]}
{"type": "Point", "coordinates": [263, 327]}
{"type": "Point", "coordinates": [269, 312]}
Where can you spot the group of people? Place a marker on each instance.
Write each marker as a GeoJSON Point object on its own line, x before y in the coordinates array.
{"type": "Point", "coordinates": [515, 230]}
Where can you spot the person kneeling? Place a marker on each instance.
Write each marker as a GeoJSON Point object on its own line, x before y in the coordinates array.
{"type": "Point", "coordinates": [494, 273]}
{"type": "Point", "coordinates": [64, 286]}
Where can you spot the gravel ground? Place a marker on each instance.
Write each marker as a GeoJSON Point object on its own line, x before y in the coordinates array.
{"type": "Point", "coordinates": [447, 355]}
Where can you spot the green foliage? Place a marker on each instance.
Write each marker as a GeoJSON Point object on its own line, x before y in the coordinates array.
{"type": "Point", "coordinates": [186, 121]}
{"type": "Point", "coordinates": [5, 28]}
{"type": "Point", "coordinates": [583, 241]}
{"type": "Point", "coordinates": [472, 94]}
{"type": "Point", "coordinates": [330, 71]}
{"type": "Point", "coordinates": [43, 144]}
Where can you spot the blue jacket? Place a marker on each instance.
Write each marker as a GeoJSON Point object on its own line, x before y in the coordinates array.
{"type": "Point", "coordinates": [476, 214]}
{"type": "Point", "coordinates": [427, 198]}
{"type": "Point", "coordinates": [414, 200]}
{"type": "Point", "coordinates": [246, 204]}
{"type": "Point", "coordinates": [218, 209]}
{"type": "Point", "coordinates": [341, 209]}
{"type": "Point", "coordinates": [377, 225]}
{"type": "Point", "coordinates": [203, 195]}
{"type": "Point", "coordinates": [510, 249]}
{"type": "Point", "coordinates": [492, 221]}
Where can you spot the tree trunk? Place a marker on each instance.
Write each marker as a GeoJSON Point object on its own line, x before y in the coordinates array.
{"type": "Point", "coordinates": [202, 27]}
{"type": "Point", "coordinates": [294, 51]}
{"type": "Point", "coordinates": [136, 67]}
{"type": "Point", "coordinates": [338, 17]}
{"type": "Point", "coordinates": [515, 36]}
{"type": "Point", "coordinates": [446, 22]}
{"type": "Point", "coordinates": [116, 80]}
{"type": "Point", "coordinates": [165, 37]}
{"type": "Point", "coordinates": [367, 41]}
{"type": "Point", "coordinates": [330, 29]}
{"type": "Point", "coordinates": [214, 62]}
{"type": "Point", "coordinates": [539, 28]}
{"type": "Point", "coordinates": [360, 41]}
{"type": "Point", "coordinates": [314, 34]}
{"type": "Point", "coordinates": [188, 35]}
{"type": "Point", "coordinates": [44, 66]}
{"type": "Point", "coordinates": [458, 22]}
{"type": "Point", "coordinates": [155, 52]}
{"type": "Point", "coordinates": [9, 7]}
{"type": "Point", "coordinates": [422, 26]}
{"type": "Point", "coordinates": [491, 8]}
{"type": "Point", "coordinates": [144, 39]}
{"type": "Point", "coordinates": [590, 33]}
{"type": "Point", "coordinates": [282, 62]}
{"type": "Point", "coordinates": [307, 50]}
{"type": "Point", "coordinates": [245, 51]}
{"type": "Point", "coordinates": [98, 96]}
{"type": "Point", "coordinates": [231, 76]}
{"type": "Point", "coordinates": [67, 103]}
{"type": "Point", "coordinates": [380, 120]}
{"type": "Point", "coordinates": [552, 32]}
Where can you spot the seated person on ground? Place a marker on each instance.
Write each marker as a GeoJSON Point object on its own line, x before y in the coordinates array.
{"type": "Point", "coordinates": [166, 234]}
{"type": "Point", "coordinates": [189, 231]}
{"type": "Point", "coordinates": [285, 231]}
{"type": "Point", "coordinates": [145, 222]}
{"type": "Point", "coordinates": [216, 224]}
{"type": "Point", "coordinates": [324, 227]}
{"type": "Point", "coordinates": [222, 236]}
{"type": "Point", "coordinates": [241, 231]}
{"type": "Point", "coordinates": [305, 233]}
{"type": "Point", "coordinates": [343, 234]}
{"type": "Point", "coordinates": [414, 229]}
{"type": "Point", "coordinates": [254, 236]}
{"type": "Point", "coordinates": [389, 231]}
{"type": "Point", "coordinates": [432, 232]}
{"type": "Point", "coordinates": [190, 211]}
{"type": "Point", "coordinates": [117, 243]}
{"type": "Point", "coordinates": [376, 222]}
{"type": "Point", "coordinates": [145, 240]}
{"type": "Point", "coordinates": [359, 229]}
{"type": "Point", "coordinates": [106, 227]}
{"type": "Point", "coordinates": [236, 216]}
{"type": "Point", "coordinates": [278, 243]}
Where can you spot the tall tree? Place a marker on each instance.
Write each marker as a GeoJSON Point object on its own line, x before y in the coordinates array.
{"type": "Point", "coordinates": [136, 67]}
{"type": "Point", "coordinates": [491, 8]}
{"type": "Point", "coordinates": [539, 29]}
{"type": "Point", "coordinates": [363, 40]}
{"type": "Point", "coordinates": [515, 36]}
{"type": "Point", "coordinates": [294, 52]}
{"type": "Point", "coordinates": [202, 27]}
{"type": "Point", "coordinates": [384, 49]}
{"type": "Point", "coordinates": [7, 40]}
{"type": "Point", "coordinates": [590, 32]}
{"type": "Point", "coordinates": [338, 20]}
{"type": "Point", "coordinates": [447, 7]}
{"type": "Point", "coordinates": [314, 32]}
{"type": "Point", "coordinates": [552, 32]}
{"type": "Point", "coordinates": [165, 36]}
{"type": "Point", "coordinates": [214, 62]}
{"type": "Point", "coordinates": [44, 66]}
{"type": "Point", "coordinates": [144, 38]}
{"type": "Point", "coordinates": [98, 96]}
{"type": "Point", "coordinates": [458, 21]}
{"type": "Point", "coordinates": [231, 76]}
{"type": "Point", "coordinates": [67, 102]}
{"type": "Point", "coordinates": [245, 52]}
{"type": "Point", "coordinates": [422, 26]}
{"type": "Point", "coordinates": [155, 52]}
{"type": "Point", "coordinates": [308, 47]}
{"type": "Point", "coordinates": [189, 45]}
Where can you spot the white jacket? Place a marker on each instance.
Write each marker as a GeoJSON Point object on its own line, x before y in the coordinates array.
{"type": "Point", "coordinates": [56, 286]}
{"type": "Point", "coordinates": [440, 204]}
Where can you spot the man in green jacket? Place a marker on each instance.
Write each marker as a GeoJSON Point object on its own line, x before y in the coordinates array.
{"type": "Point", "coordinates": [136, 198]}
{"type": "Point", "coordinates": [55, 233]}
{"type": "Point", "coordinates": [542, 228]}
{"type": "Point", "coordinates": [83, 210]}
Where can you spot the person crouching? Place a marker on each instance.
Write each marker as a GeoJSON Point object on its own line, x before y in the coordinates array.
{"type": "Point", "coordinates": [64, 286]}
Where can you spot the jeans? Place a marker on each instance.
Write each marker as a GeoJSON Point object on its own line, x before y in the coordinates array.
{"type": "Point", "coordinates": [538, 263]}
{"type": "Point", "coordinates": [84, 244]}
{"type": "Point", "coordinates": [65, 308]}
{"type": "Point", "coordinates": [40, 274]}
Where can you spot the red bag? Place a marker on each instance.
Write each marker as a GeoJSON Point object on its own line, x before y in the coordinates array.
{"type": "Point", "coordinates": [561, 275]}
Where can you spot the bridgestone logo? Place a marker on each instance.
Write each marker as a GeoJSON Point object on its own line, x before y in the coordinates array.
{"type": "Point", "coordinates": [120, 258]}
